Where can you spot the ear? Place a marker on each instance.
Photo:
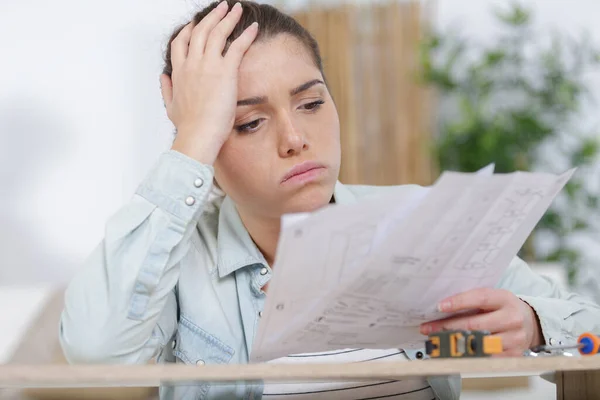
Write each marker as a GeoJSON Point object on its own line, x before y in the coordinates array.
{"type": "Point", "coordinates": [166, 88]}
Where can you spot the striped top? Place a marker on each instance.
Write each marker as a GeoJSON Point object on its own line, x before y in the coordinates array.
{"type": "Point", "coordinates": [409, 389]}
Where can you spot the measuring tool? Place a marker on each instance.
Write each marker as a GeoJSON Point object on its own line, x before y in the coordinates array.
{"type": "Point", "coordinates": [462, 344]}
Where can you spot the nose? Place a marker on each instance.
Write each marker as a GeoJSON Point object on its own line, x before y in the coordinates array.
{"type": "Point", "coordinates": [291, 140]}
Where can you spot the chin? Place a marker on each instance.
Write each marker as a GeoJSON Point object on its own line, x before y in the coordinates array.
{"type": "Point", "coordinates": [310, 198]}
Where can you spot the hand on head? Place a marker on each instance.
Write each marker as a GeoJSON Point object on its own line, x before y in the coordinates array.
{"type": "Point", "coordinates": [201, 93]}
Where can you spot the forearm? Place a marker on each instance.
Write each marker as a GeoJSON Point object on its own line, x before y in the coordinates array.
{"type": "Point", "coordinates": [113, 304]}
{"type": "Point", "coordinates": [562, 315]}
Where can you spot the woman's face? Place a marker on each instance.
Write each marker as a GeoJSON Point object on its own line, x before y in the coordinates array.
{"type": "Point", "coordinates": [286, 124]}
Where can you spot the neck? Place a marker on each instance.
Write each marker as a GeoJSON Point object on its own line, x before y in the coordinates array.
{"type": "Point", "coordinates": [264, 231]}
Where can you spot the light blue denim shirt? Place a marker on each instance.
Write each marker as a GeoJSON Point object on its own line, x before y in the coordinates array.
{"type": "Point", "coordinates": [177, 277]}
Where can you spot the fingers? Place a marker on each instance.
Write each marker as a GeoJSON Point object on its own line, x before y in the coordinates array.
{"type": "Point", "coordinates": [204, 28]}
{"type": "Point", "coordinates": [514, 343]}
{"type": "Point", "coordinates": [218, 36]}
{"type": "Point", "coordinates": [210, 35]}
{"type": "Point", "coordinates": [476, 322]}
{"type": "Point", "coordinates": [180, 45]}
{"type": "Point", "coordinates": [483, 299]}
{"type": "Point", "coordinates": [166, 88]}
{"type": "Point", "coordinates": [241, 45]}
{"type": "Point", "coordinates": [496, 321]}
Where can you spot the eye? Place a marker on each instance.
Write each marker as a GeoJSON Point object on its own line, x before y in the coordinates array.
{"type": "Point", "coordinates": [314, 106]}
{"type": "Point", "coordinates": [249, 127]}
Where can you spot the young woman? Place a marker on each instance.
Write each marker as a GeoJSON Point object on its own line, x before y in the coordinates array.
{"type": "Point", "coordinates": [183, 278]}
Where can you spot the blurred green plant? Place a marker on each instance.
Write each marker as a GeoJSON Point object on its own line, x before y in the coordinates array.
{"type": "Point", "coordinates": [512, 103]}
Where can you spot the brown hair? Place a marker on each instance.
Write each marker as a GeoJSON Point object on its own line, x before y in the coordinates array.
{"type": "Point", "coordinates": [271, 22]}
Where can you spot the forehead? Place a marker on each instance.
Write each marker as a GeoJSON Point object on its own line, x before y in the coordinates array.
{"type": "Point", "coordinates": [278, 62]}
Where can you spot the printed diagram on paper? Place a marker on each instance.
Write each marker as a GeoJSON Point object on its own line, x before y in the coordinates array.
{"type": "Point", "coordinates": [514, 208]}
{"type": "Point", "coordinates": [347, 251]}
{"type": "Point", "coordinates": [366, 275]}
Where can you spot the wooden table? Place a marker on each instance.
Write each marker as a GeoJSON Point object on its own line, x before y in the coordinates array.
{"type": "Point", "coordinates": [576, 377]}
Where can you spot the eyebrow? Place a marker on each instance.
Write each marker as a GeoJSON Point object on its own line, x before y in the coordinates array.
{"type": "Point", "coordinates": [306, 86]}
{"type": "Point", "coordinates": [253, 101]}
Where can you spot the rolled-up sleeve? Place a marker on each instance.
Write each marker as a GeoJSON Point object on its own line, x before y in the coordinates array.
{"type": "Point", "coordinates": [121, 306]}
{"type": "Point", "coordinates": [563, 315]}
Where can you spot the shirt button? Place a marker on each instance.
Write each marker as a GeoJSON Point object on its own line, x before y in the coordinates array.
{"type": "Point", "coordinates": [198, 182]}
{"type": "Point", "coordinates": [264, 270]}
{"type": "Point", "coordinates": [190, 201]}
{"type": "Point", "coordinates": [173, 344]}
{"type": "Point", "coordinates": [260, 314]}
{"type": "Point", "coordinates": [200, 362]}
{"type": "Point", "coordinates": [551, 342]}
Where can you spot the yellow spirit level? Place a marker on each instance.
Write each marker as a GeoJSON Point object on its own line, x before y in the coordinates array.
{"type": "Point", "coordinates": [462, 344]}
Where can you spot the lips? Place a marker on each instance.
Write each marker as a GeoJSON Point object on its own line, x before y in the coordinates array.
{"type": "Point", "coordinates": [301, 169]}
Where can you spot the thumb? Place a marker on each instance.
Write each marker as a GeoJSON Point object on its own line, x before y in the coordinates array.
{"type": "Point", "coordinates": [166, 88]}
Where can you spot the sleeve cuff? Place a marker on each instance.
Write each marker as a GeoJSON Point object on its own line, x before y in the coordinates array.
{"type": "Point", "coordinates": [553, 315]}
{"type": "Point", "coordinates": [178, 184]}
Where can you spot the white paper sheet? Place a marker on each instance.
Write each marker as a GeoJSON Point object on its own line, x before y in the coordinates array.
{"type": "Point", "coordinates": [367, 275]}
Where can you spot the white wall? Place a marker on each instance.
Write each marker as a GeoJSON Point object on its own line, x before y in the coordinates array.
{"type": "Point", "coordinates": [81, 118]}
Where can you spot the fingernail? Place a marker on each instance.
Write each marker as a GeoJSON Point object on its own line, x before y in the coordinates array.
{"type": "Point", "coordinates": [237, 6]}
{"type": "Point", "coordinates": [222, 5]}
{"type": "Point", "coordinates": [444, 306]}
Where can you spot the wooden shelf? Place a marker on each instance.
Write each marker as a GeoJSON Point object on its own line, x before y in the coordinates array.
{"type": "Point", "coordinates": [151, 375]}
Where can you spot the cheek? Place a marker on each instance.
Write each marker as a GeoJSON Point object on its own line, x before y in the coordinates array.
{"type": "Point", "coordinates": [330, 127]}
{"type": "Point", "coordinates": [336, 128]}
{"type": "Point", "coordinates": [237, 168]}
{"type": "Point", "coordinates": [230, 162]}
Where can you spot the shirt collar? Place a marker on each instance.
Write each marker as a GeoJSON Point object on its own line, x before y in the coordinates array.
{"type": "Point", "coordinates": [235, 247]}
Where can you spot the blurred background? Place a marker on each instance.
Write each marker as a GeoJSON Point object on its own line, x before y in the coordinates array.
{"type": "Point", "coordinates": [421, 87]}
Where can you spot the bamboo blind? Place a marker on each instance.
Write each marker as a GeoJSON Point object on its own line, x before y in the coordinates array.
{"type": "Point", "coordinates": [370, 54]}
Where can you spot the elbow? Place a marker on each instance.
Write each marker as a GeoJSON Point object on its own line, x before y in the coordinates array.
{"type": "Point", "coordinates": [89, 344]}
{"type": "Point", "coordinates": [83, 345]}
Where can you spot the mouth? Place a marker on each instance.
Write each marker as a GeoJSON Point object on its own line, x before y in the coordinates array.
{"type": "Point", "coordinates": [303, 172]}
